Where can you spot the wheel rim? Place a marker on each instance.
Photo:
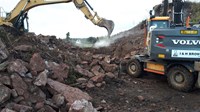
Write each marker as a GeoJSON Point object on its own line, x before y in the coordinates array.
{"type": "Point", "coordinates": [132, 68]}
{"type": "Point", "coordinates": [179, 77]}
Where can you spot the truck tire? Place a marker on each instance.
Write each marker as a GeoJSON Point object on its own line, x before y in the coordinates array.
{"type": "Point", "coordinates": [134, 68]}
{"type": "Point", "coordinates": [180, 78]}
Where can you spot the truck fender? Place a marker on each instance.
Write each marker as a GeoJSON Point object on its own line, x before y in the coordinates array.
{"type": "Point", "coordinates": [188, 66]}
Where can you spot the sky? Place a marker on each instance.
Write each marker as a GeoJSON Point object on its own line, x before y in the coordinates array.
{"type": "Point", "coordinates": [58, 19]}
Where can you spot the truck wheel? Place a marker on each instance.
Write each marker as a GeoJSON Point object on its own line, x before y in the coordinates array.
{"type": "Point", "coordinates": [180, 78]}
{"type": "Point", "coordinates": [134, 68]}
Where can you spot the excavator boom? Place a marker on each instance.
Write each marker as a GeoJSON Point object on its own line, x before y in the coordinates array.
{"type": "Point", "coordinates": [17, 16]}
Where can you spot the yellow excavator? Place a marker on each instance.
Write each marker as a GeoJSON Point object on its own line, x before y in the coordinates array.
{"type": "Point", "coordinates": [18, 16]}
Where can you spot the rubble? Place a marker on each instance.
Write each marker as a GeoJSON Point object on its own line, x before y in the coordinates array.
{"type": "Point", "coordinates": [36, 71]}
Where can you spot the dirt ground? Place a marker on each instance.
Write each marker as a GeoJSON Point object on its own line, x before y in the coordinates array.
{"type": "Point", "coordinates": [150, 93]}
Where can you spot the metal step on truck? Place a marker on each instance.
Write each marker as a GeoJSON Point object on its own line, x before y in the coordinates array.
{"type": "Point", "coordinates": [173, 50]}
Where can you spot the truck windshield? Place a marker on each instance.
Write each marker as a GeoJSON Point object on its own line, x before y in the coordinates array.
{"type": "Point", "coordinates": [159, 24]}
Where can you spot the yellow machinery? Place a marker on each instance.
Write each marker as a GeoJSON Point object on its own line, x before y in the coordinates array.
{"type": "Point", "coordinates": [17, 16]}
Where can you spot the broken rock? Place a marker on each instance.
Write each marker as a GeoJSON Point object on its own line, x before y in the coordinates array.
{"type": "Point", "coordinates": [24, 48]}
{"type": "Point", "coordinates": [7, 110]}
{"type": "Point", "coordinates": [60, 71]}
{"type": "Point", "coordinates": [17, 66]}
{"type": "Point", "coordinates": [109, 67]}
{"type": "Point", "coordinates": [81, 80]}
{"type": "Point", "coordinates": [110, 75]}
{"type": "Point", "coordinates": [18, 84]}
{"type": "Point", "coordinates": [46, 108]}
{"type": "Point", "coordinates": [5, 80]}
{"type": "Point", "coordinates": [37, 64]}
{"type": "Point", "coordinates": [19, 107]}
{"type": "Point", "coordinates": [98, 78]}
{"type": "Point", "coordinates": [41, 79]}
{"type": "Point", "coordinates": [83, 71]}
{"type": "Point", "coordinates": [3, 52]}
{"type": "Point", "coordinates": [58, 99]}
{"type": "Point", "coordinates": [71, 94]}
{"type": "Point", "coordinates": [90, 84]}
{"type": "Point", "coordinates": [82, 106]}
{"type": "Point", "coordinates": [5, 94]}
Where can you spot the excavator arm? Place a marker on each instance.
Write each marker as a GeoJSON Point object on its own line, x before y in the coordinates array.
{"type": "Point", "coordinates": [19, 13]}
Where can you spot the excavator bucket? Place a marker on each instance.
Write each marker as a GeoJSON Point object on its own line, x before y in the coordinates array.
{"type": "Point", "coordinates": [108, 24]}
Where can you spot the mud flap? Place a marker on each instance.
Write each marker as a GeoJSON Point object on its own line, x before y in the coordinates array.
{"type": "Point", "coordinates": [197, 68]}
{"type": "Point", "coordinates": [198, 81]}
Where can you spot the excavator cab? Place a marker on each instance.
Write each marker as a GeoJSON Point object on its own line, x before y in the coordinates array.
{"type": "Point", "coordinates": [155, 23]}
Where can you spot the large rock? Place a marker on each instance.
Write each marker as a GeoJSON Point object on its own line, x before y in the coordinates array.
{"type": "Point", "coordinates": [71, 94]}
{"type": "Point", "coordinates": [109, 67]}
{"type": "Point", "coordinates": [19, 85]}
{"type": "Point", "coordinates": [46, 108]}
{"type": "Point", "coordinates": [5, 80]}
{"type": "Point", "coordinates": [41, 79]}
{"type": "Point", "coordinates": [98, 78]}
{"type": "Point", "coordinates": [19, 107]}
{"type": "Point", "coordinates": [3, 52]}
{"type": "Point", "coordinates": [5, 94]}
{"type": "Point", "coordinates": [96, 69]}
{"type": "Point", "coordinates": [3, 65]}
{"type": "Point", "coordinates": [82, 106]}
{"type": "Point", "coordinates": [60, 71]}
{"type": "Point", "coordinates": [58, 99]}
{"type": "Point", "coordinates": [37, 96]}
{"type": "Point", "coordinates": [86, 56]}
{"type": "Point", "coordinates": [84, 72]}
{"type": "Point", "coordinates": [37, 64]}
{"type": "Point", "coordinates": [24, 48]}
{"type": "Point", "coordinates": [7, 110]}
{"type": "Point", "coordinates": [17, 66]}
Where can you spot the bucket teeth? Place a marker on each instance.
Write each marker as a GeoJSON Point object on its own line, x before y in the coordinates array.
{"type": "Point", "coordinates": [108, 24]}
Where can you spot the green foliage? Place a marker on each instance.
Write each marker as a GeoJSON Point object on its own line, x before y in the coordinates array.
{"type": "Point", "coordinates": [195, 12]}
{"type": "Point", "coordinates": [92, 40]}
{"type": "Point", "coordinates": [73, 76]}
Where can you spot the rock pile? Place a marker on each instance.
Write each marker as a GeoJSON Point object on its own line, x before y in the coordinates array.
{"type": "Point", "coordinates": [44, 74]}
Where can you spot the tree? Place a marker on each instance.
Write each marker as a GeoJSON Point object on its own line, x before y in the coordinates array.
{"type": "Point", "coordinates": [68, 36]}
{"type": "Point", "coordinates": [91, 39]}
